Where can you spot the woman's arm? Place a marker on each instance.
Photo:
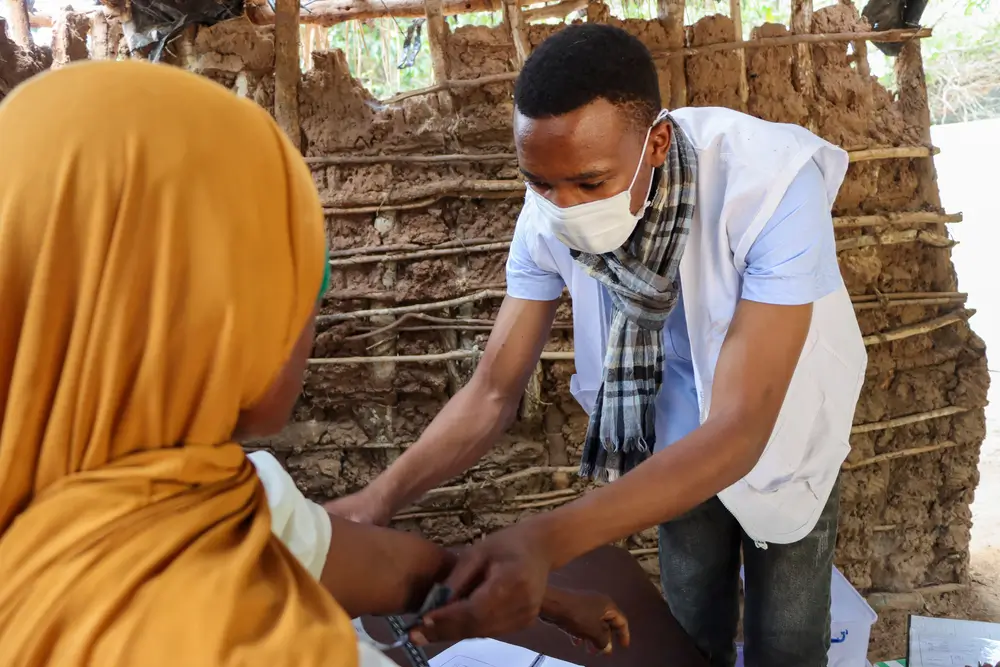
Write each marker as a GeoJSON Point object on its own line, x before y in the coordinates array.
{"type": "Point", "coordinates": [379, 571]}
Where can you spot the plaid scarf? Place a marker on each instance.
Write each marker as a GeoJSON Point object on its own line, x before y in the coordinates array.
{"type": "Point", "coordinates": [642, 279]}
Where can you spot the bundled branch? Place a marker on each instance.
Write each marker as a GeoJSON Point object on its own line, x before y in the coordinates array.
{"type": "Point", "coordinates": [895, 238]}
{"type": "Point", "coordinates": [435, 188]}
{"type": "Point", "coordinates": [896, 219]}
{"type": "Point", "coordinates": [415, 308]}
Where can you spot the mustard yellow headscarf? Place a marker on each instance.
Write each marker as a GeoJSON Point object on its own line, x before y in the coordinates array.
{"type": "Point", "coordinates": [161, 248]}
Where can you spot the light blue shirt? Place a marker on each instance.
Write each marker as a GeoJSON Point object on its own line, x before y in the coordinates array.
{"type": "Point", "coordinates": [792, 262]}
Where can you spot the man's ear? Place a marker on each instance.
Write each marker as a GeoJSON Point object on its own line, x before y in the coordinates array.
{"type": "Point", "coordinates": [659, 142]}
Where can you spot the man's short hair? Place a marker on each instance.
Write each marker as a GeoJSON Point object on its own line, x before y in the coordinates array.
{"type": "Point", "coordinates": [586, 62]}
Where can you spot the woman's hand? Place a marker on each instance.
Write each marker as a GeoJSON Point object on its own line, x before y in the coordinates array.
{"type": "Point", "coordinates": [588, 617]}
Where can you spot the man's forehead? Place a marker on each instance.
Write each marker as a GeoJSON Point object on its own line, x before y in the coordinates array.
{"type": "Point", "coordinates": [600, 117]}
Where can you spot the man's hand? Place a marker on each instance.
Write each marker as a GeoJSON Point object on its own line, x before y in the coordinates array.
{"type": "Point", "coordinates": [499, 584]}
{"type": "Point", "coordinates": [588, 617]}
{"type": "Point", "coordinates": [364, 506]}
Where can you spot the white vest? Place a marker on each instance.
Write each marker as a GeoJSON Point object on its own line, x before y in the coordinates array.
{"type": "Point", "coordinates": [745, 166]}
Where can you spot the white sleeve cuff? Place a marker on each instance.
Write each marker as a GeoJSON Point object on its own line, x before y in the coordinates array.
{"type": "Point", "coordinates": [301, 525]}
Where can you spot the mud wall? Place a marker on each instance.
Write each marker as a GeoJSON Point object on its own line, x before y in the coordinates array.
{"type": "Point", "coordinates": [905, 520]}
{"type": "Point", "coordinates": [419, 253]}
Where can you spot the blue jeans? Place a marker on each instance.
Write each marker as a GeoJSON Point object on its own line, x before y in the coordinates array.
{"type": "Point", "coordinates": [787, 591]}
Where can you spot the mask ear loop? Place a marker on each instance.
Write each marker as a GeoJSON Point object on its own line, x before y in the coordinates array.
{"type": "Point", "coordinates": [660, 117]}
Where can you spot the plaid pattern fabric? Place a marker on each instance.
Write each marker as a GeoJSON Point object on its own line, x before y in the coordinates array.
{"type": "Point", "coordinates": [642, 280]}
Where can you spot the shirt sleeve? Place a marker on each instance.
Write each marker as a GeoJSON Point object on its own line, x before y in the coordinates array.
{"type": "Point", "coordinates": [301, 525]}
{"type": "Point", "coordinates": [794, 259]}
{"type": "Point", "coordinates": [525, 279]}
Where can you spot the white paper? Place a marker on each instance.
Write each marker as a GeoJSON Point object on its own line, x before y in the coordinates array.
{"type": "Point", "coordinates": [491, 653]}
{"type": "Point", "coordinates": [941, 642]}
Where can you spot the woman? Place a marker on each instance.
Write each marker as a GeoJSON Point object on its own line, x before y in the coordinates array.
{"type": "Point", "coordinates": [161, 257]}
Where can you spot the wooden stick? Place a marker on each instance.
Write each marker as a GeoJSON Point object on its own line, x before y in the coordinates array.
{"type": "Point", "coordinates": [420, 254]}
{"type": "Point", "coordinates": [391, 296]}
{"type": "Point", "coordinates": [535, 470]}
{"type": "Point", "coordinates": [736, 13]}
{"type": "Point", "coordinates": [644, 552]}
{"type": "Point", "coordinates": [558, 10]}
{"type": "Point", "coordinates": [330, 160]}
{"type": "Point", "coordinates": [20, 23]}
{"type": "Point", "coordinates": [891, 152]}
{"type": "Point", "coordinates": [664, 54]}
{"type": "Point", "coordinates": [396, 247]}
{"type": "Point", "coordinates": [895, 238]}
{"type": "Point", "coordinates": [415, 308]}
{"type": "Point", "coordinates": [424, 358]}
{"type": "Point", "coordinates": [428, 515]}
{"type": "Point", "coordinates": [286, 69]}
{"type": "Point", "coordinates": [911, 218]}
{"type": "Point", "coordinates": [485, 80]}
{"type": "Point", "coordinates": [437, 188]}
{"type": "Point", "coordinates": [562, 493]}
{"type": "Point", "coordinates": [515, 27]}
{"type": "Point", "coordinates": [920, 328]}
{"type": "Point", "coordinates": [909, 419]}
{"type": "Point", "coordinates": [903, 453]}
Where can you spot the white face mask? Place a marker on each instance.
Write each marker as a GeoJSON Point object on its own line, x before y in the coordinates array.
{"type": "Point", "coordinates": [599, 226]}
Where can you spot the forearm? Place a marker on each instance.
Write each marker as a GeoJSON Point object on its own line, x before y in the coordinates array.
{"type": "Point", "coordinates": [673, 481]}
{"type": "Point", "coordinates": [467, 427]}
{"type": "Point", "coordinates": [379, 571]}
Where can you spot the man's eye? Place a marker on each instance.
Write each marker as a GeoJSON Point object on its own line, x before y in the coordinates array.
{"type": "Point", "coordinates": [590, 187]}
{"type": "Point", "coordinates": [539, 186]}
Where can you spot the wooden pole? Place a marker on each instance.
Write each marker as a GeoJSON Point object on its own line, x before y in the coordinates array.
{"type": "Point", "coordinates": [671, 15]}
{"type": "Point", "coordinates": [437, 42]}
{"type": "Point", "coordinates": [558, 10]}
{"type": "Point", "coordinates": [69, 38]}
{"type": "Point", "coordinates": [736, 12]}
{"type": "Point", "coordinates": [805, 74]}
{"type": "Point", "coordinates": [20, 23]}
{"type": "Point", "coordinates": [286, 69]}
{"type": "Point", "coordinates": [515, 25]}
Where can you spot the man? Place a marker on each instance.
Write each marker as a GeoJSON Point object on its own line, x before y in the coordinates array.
{"type": "Point", "coordinates": [717, 353]}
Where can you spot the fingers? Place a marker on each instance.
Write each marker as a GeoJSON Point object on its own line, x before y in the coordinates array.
{"type": "Point", "coordinates": [619, 626]}
{"type": "Point", "coordinates": [469, 569]}
{"type": "Point", "coordinates": [455, 621]}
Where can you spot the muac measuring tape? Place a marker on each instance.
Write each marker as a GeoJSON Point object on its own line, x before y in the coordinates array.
{"type": "Point", "coordinates": [436, 598]}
